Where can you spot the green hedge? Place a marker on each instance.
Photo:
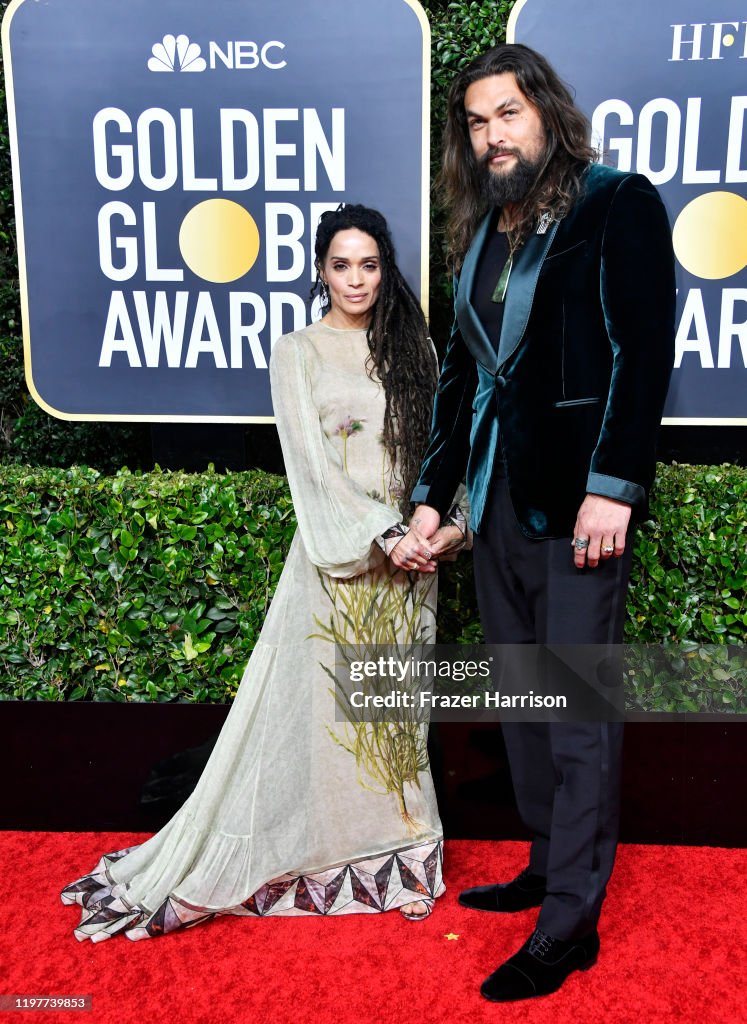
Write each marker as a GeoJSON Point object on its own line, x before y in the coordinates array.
{"type": "Point", "coordinates": [141, 587]}
{"type": "Point", "coordinates": [153, 587]}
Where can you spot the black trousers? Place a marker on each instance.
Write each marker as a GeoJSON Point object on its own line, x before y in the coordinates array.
{"type": "Point", "coordinates": [566, 776]}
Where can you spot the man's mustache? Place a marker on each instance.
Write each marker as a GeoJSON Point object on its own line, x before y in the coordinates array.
{"type": "Point", "coordinates": [496, 151]}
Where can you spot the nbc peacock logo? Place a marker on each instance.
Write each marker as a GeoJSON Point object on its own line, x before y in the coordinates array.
{"type": "Point", "coordinates": [176, 53]}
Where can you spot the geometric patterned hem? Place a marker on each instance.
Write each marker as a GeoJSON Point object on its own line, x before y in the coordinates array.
{"type": "Point", "coordinates": [369, 886]}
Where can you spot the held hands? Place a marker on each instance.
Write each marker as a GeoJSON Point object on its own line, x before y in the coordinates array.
{"type": "Point", "coordinates": [425, 542]}
{"type": "Point", "coordinates": [604, 523]}
{"type": "Point", "coordinates": [413, 552]}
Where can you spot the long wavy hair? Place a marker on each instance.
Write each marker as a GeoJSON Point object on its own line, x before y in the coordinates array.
{"type": "Point", "coordinates": [567, 149]}
{"type": "Point", "coordinates": [400, 350]}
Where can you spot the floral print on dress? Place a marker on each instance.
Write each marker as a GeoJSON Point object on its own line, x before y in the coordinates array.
{"type": "Point", "coordinates": [346, 429]}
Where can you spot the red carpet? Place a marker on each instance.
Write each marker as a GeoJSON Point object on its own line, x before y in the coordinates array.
{"type": "Point", "coordinates": [674, 936]}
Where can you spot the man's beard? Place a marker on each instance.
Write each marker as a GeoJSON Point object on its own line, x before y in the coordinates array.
{"type": "Point", "coordinates": [499, 187]}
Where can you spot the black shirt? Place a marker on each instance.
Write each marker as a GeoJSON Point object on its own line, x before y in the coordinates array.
{"type": "Point", "coordinates": [489, 266]}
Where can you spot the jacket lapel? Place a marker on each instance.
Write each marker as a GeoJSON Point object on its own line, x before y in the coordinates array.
{"type": "Point", "coordinates": [519, 297]}
{"type": "Point", "coordinates": [473, 333]}
{"type": "Point", "coordinates": [521, 287]}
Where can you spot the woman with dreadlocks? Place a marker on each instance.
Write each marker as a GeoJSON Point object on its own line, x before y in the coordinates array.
{"type": "Point", "coordinates": [306, 807]}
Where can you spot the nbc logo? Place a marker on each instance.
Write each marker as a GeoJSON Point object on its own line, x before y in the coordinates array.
{"type": "Point", "coordinates": [176, 53]}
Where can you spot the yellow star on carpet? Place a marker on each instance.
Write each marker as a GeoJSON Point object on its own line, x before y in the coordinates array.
{"type": "Point", "coordinates": [451, 935]}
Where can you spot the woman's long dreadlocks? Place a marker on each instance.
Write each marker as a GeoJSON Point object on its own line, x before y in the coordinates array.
{"type": "Point", "coordinates": [400, 349]}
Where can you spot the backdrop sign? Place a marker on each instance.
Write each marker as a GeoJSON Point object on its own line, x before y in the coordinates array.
{"type": "Point", "coordinates": [665, 87]}
{"type": "Point", "coordinates": [171, 162]}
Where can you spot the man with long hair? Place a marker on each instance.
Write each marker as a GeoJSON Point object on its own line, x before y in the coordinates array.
{"type": "Point", "coordinates": [550, 396]}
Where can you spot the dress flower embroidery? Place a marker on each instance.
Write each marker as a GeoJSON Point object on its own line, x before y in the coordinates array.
{"type": "Point", "coordinates": [350, 426]}
{"type": "Point", "coordinates": [346, 429]}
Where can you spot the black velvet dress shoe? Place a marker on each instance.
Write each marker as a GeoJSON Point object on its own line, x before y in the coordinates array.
{"type": "Point", "coordinates": [540, 967]}
{"type": "Point", "coordinates": [526, 890]}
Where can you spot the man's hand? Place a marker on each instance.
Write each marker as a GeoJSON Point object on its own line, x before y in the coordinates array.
{"type": "Point", "coordinates": [445, 540]}
{"type": "Point", "coordinates": [425, 520]}
{"type": "Point", "coordinates": [604, 522]}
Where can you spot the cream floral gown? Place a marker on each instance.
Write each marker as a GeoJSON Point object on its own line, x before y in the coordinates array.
{"type": "Point", "coordinates": [295, 812]}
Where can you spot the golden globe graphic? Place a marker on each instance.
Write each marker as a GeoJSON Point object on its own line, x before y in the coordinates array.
{"type": "Point", "coordinates": [219, 240]}
{"type": "Point", "coordinates": [665, 95]}
{"type": "Point", "coordinates": [169, 181]}
{"type": "Point", "coordinates": [710, 235]}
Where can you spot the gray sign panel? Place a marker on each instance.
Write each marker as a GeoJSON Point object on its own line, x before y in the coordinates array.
{"type": "Point", "coordinates": [171, 161]}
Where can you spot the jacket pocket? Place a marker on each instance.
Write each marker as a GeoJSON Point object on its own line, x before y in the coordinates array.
{"type": "Point", "coordinates": [575, 401]}
{"type": "Point", "coordinates": [575, 249]}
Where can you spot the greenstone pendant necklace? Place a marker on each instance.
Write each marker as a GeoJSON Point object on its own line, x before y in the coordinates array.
{"type": "Point", "coordinates": [499, 293]}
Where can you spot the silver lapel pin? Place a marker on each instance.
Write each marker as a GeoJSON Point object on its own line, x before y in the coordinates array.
{"type": "Point", "coordinates": [545, 222]}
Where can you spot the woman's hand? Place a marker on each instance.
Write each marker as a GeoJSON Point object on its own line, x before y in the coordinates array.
{"type": "Point", "coordinates": [413, 553]}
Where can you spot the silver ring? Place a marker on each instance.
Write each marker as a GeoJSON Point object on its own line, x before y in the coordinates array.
{"type": "Point", "coordinates": [608, 549]}
{"type": "Point", "coordinates": [580, 543]}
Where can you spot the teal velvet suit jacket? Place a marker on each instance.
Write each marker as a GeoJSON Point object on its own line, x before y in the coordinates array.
{"type": "Point", "coordinates": [573, 391]}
